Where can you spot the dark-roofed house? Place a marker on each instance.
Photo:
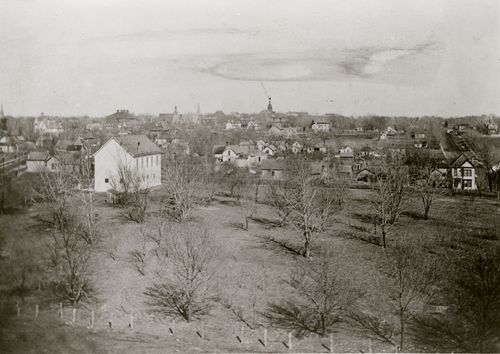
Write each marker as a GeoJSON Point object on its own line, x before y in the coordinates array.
{"type": "Point", "coordinates": [464, 173]}
{"type": "Point", "coordinates": [41, 161]}
{"type": "Point", "coordinates": [121, 118]}
{"type": "Point", "coordinates": [135, 154]}
{"type": "Point", "coordinates": [273, 169]}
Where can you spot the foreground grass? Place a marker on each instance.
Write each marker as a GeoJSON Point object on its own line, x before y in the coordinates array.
{"type": "Point", "coordinates": [252, 265]}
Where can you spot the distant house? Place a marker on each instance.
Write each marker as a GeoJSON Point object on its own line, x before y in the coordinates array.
{"type": "Point", "coordinates": [365, 175]}
{"type": "Point", "coordinates": [272, 169]}
{"type": "Point", "coordinates": [7, 144]}
{"type": "Point", "coordinates": [45, 125]}
{"type": "Point", "coordinates": [217, 151]}
{"type": "Point", "coordinates": [41, 161]}
{"type": "Point", "coordinates": [269, 150]}
{"type": "Point", "coordinates": [346, 152]}
{"type": "Point", "coordinates": [135, 153]}
{"type": "Point", "coordinates": [233, 125]}
{"type": "Point", "coordinates": [121, 118]}
{"type": "Point", "coordinates": [321, 126]}
{"type": "Point", "coordinates": [464, 173]}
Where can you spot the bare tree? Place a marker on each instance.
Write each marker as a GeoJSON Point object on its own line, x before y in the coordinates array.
{"type": "Point", "coordinates": [132, 195]}
{"type": "Point", "coordinates": [182, 180]}
{"type": "Point", "coordinates": [318, 297]}
{"type": "Point", "coordinates": [311, 206]}
{"type": "Point", "coordinates": [183, 285]}
{"type": "Point", "coordinates": [387, 197]}
{"type": "Point", "coordinates": [412, 276]}
{"type": "Point", "coordinates": [428, 188]}
{"type": "Point", "coordinates": [70, 265]}
{"type": "Point", "coordinates": [470, 296]}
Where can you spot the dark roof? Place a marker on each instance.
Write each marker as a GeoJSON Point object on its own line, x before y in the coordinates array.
{"type": "Point", "coordinates": [120, 116]}
{"type": "Point", "coordinates": [219, 149]}
{"type": "Point", "coordinates": [38, 156]}
{"type": "Point", "coordinates": [461, 160]}
{"type": "Point", "coordinates": [272, 164]}
{"type": "Point", "coordinates": [138, 145]}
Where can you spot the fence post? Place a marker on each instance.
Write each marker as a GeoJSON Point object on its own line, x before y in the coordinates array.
{"type": "Point", "coordinates": [74, 316]}
{"type": "Point", "coordinates": [60, 310]}
{"type": "Point", "coordinates": [92, 319]}
{"type": "Point", "coordinates": [241, 334]}
{"type": "Point", "coordinates": [289, 340]}
{"type": "Point", "coordinates": [370, 349]}
{"type": "Point", "coordinates": [173, 326]}
{"type": "Point", "coordinates": [131, 324]}
{"type": "Point", "coordinates": [331, 343]}
{"type": "Point", "coordinates": [202, 330]}
{"type": "Point", "coordinates": [265, 337]}
{"type": "Point", "coordinates": [36, 311]}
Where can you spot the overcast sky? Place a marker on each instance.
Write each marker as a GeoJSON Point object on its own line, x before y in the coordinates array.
{"type": "Point", "coordinates": [75, 57]}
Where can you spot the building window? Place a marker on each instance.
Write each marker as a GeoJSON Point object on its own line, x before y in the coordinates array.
{"type": "Point", "coordinates": [106, 180]}
{"type": "Point", "coordinates": [467, 172]}
{"type": "Point", "coordinates": [273, 173]}
{"type": "Point", "coordinates": [156, 160]}
{"type": "Point", "coordinates": [142, 161]}
{"type": "Point", "coordinates": [467, 183]}
{"type": "Point", "coordinates": [147, 158]}
{"type": "Point", "coordinates": [136, 164]}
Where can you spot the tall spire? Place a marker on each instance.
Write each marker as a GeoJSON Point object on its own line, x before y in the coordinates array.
{"type": "Point", "coordinates": [1, 111]}
{"type": "Point", "coordinates": [270, 106]}
{"type": "Point", "coordinates": [198, 111]}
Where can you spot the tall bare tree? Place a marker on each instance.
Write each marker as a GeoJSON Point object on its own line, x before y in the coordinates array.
{"type": "Point", "coordinates": [183, 285]}
{"type": "Point", "coordinates": [311, 206]}
{"type": "Point", "coordinates": [318, 297]}
{"type": "Point", "coordinates": [182, 181]}
{"type": "Point", "coordinates": [387, 197]}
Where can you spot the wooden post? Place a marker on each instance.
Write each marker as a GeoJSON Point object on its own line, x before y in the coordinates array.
{"type": "Point", "coordinates": [331, 343]}
{"type": "Point", "coordinates": [289, 340]}
{"type": "Point", "coordinates": [241, 334]}
{"type": "Point", "coordinates": [265, 337]}
{"type": "Point", "coordinates": [110, 324]}
{"type": "Point", "coordinates": [131, 324]}
{"type": "Point", "coordinates": [202, 330]}
{"type": "Point", "coordinates": [173, 326]}
{"type": "Point", "coordinates": [74, 316]}
{"type": "Point", "coordinates": [60, 310]}
{"type": "Point", "coordinates": [36, 311]}
{"type": "Point", "coordinates": [370, 349]}
{"type": "Point", "coordinates": [92, 319]}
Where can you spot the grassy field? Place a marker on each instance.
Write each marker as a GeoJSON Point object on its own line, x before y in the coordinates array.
{"type": "Point", "coordinates": [251, 265]}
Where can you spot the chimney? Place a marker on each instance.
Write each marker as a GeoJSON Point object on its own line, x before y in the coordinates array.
{"type": "Point", "coordinates": [138, 145]}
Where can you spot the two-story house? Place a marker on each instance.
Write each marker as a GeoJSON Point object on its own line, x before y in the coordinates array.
{"type": "Point", "coordinates": [136, 154]}
{"type": "Point", "coordinates": [464, 173]}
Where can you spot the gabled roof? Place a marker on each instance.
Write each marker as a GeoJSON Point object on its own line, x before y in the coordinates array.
{"type": "Point", "coordinates": [138, 145]}
{"type": "Point", "coordinates": [38, 156]}
{"type": "Point", "coordinates": [459, 162]}
{"type": "Point", "coordinates": [219, 149]}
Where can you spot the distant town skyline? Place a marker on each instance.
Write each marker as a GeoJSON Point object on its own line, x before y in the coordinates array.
{"type": "Point", "coordinates": [348, 57]}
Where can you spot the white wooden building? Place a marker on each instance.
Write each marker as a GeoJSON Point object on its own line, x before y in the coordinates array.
{"type": "Point", "coordinates": [136, 153]}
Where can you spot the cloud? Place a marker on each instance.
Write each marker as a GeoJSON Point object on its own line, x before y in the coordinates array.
{"type": "Point", "coordinates": [327, 66]}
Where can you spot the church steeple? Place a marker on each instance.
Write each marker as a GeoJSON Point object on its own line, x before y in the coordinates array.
{"type": "Point", "coordinates": [1, 111]}
{"type": "Point", "coordinates": [198, 111]}
{"type": "Point", "coordinates": [175, 110]}
{"type": "Point", "coordinates": [270, 106]}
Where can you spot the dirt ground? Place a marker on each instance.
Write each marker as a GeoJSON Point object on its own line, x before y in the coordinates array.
{"type": "Point", "coordinates": [251, 265]}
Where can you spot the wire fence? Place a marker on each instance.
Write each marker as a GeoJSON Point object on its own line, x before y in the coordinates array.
{"type": "Point", "coordinates": [262, 339]}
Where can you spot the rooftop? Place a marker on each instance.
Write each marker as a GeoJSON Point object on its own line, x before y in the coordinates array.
{"type": "Point", "coordinates": [138, 145]}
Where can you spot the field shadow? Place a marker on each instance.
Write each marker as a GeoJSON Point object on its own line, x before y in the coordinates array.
{"type": "Point", "coordinates": [413, 214]}
{"type": "Point", "coordinates": [365, 218]}
{"type": "Point", "coordinates": [235, 225]}
{"type": "Point", "coordinates": [232, 203]}
{"type": "Point", "coordinates": [277, 246]}
{"type": "Point", "coordinates": [368, 238]}
{"type": "Point", "coordinates": [267, 223]}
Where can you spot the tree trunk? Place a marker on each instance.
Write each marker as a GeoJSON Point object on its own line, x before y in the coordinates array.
{"type": "Point", "coordinates": [307, 245]}
{"type": "Point", "coordinates": [383, 236]}
{"type": "Point", "coordinates": [402, 329]}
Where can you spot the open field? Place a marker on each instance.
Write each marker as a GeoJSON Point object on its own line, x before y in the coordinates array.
{"type": "Point", "coordinates": [251, 267]}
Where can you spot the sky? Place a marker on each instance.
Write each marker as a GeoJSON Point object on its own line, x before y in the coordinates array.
{"type": "Point", "coordinates": [352, 57]}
